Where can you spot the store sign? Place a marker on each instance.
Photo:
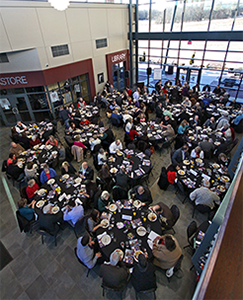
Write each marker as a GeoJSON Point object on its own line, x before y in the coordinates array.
{"type": "Point", "coordinates": [118, 58]}
{"type": "Point", "coordinates": [13, 80]}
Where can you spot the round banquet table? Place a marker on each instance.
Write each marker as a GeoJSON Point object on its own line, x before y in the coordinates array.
{"type": "Point", "coordinates": [120, 235]}
{"type": "Point", "coordinates": [152, 130]}
{"type": "Point", "coordinates": [42, 129]}
{"type": "Point", "coordinates": [69, 192]}
{"type": "Point", "coordinates": [192, 181]}
{"type": "Point", "coordinates": [135, 162]}
{"type": "Point", "coordinates": [41, 155]}
{"type": "Point", "coordinates": [89, 112]}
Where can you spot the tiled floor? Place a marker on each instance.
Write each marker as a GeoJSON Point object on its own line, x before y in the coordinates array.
{"type": "Point", "coordinates": [48, 272]}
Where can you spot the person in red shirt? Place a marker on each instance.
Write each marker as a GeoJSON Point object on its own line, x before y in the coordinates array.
{"type": "Point", "coordinates": [132, 134]}
{"type": "Point", "coordinates": [78, 143]}
{"type": "Point", "coordinates": [129, 91]}
{"type": "Point", "coordinates": [84, 122]}
{"type": "Point", "coordinates": [31, 189]}
{"type": "Point", "coordinates": [11, 158]}
{"type": "Point", "coordinates": [52, 141]}
{"type": "Point", "coordinates": [34, 141]}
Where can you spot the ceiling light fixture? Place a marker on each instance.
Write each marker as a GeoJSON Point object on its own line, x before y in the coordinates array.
{"type": "Point", "coordinates": [59, 4]}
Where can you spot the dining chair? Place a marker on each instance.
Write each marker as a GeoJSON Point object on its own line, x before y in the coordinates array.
{"type": "Point", "coordinates": [146, 292]}
{"type": "Point", "coordinates": [191, 229]}
{"type": "Point", "coordinates": [75, 251]}
{"type": "Point", "coordinates": [176, 213]}
{"type": "Point", "coordinates": [43, 233]}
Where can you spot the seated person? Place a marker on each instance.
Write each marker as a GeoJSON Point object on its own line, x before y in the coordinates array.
{"type": "Point", "coordinates": [50, 222]}
{"type": "Point", "coordinates": [26, 210]}
{"type": "Point", "coordinates": [132, 134]}
{"type": "Point", "coordinates": [165, 215]}
{"type": "Point", "coordinates": [86, 252]}
{"type": "Point", "coordinates": [105, 178]}
{"type": "Point", "coordinates": [47, 174]}
{"type": "Point", "coordinates": [31, 170]}
{"type": "Point", "coordinates": [51, 141]}
{"type": "Point", "coordinates": [20, 127]}
{"type": "Point", "coordinates": [204, 199]}
{"type": "Point", "coordinates": [122, 179]}
{"type": "Point", "coordinates": [114, 105]}
{"type": "Point", "coordinates": [73, 213]}
{"type": "Point", "coordinates": [194, 122]}
{"type": "Point", "coordinates": [180, 155]}
{"type": "Point", "coordinates": [31, 189]}
{"type": "Point", "coordinates": [141, 193]}
{"type": "Point", "coordinates": [16, 149]}
{"type": "Point", "coordinates": [62, 152]}
{"type": "Point", "coordinates": [84, 122]}
{"type": "Point", "coordinates": [114, 275]}
{"type": "Point", "coordinates": [11, 158]}
{"type": "Point", "coordinates": [186, 102]}
{"type": "Point", "coordinates": [159, 111]}
{"type": "Point", "coordinates": [210, 123]}
{"type": "Point", "coordinates": [115, 146]}
{"type": "Point", "coordinates": [102, 157]}
{"type": "Point", "coordinates": [86, 172]}
{"type": "Point", "coordinates": [168, 132]}
{"type": "Point", "coordinates": [117, 116]}
{"type": "Point", "coordinates": [104, 201]}
{"type": "Point", "coordinates": [217, 90]}
{"type": "Point", "coordinates": [183, 126]}
{"type": "Point", "coordinates": [34, 141]}
{"type": "Point", "coordinates": [223, 161]}
{"type": "Point", "coordinates": [126, 116]}
{"type": "Point", "coordinates": [67, 168]}
{"type": "Point", "coordinates": [206, 146]}
{"type": "Point", "coordinates": [197, 153]}
{"type": "Point", "coordinates": [24, 141]}
{"type": "Point", "coordinates": [91, 222]}
{"type": "Point", "coordinates": [141, 118]}
{"type": "Point", "coordinates": [93, 142]}
{"type": "Point", "coordinates": [15, 171]}
{"type": "Point", "coordinates": [166, 251]}
{"type": "Point", "coordinates": [78, 143]}
{"type": "Point", "coordinates": [143, 275]}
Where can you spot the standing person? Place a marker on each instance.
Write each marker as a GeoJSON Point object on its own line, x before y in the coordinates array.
{"type": "Point", "coordinates": [143, 275]}
{"type": "Point", "coordinates": [64, 116]}
{"type": "Point", "coordinates": [158, 86]}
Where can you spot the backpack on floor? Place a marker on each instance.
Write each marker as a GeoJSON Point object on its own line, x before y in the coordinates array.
{"type": "Point", "coordinates": [163, 180]}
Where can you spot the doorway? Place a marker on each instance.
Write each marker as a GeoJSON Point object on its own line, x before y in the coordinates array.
{"type": "Point", "coordinates": [189, 75]}
{"type": "Point", "coordinates": [15, 108]}
{"type": "Point", "coordinates": [118, 74]}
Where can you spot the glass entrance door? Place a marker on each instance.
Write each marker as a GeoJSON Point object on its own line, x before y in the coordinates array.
{"type": "Point", "coordinates": [15, 108]}
{"type": "Point", "coordinates": [189, 75]}
{"type": "Point", "coordinates": [118, 73]}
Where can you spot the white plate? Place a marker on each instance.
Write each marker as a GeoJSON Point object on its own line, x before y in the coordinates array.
{"type": "Point", "coordinates": [221, 188]}
{"type": "Point", "coordinates": [225, 178]}
{"type": "Point", "coordinates": [119, 225]}
{"type": "Point", "coordinates": [65, 176]}
{"type": "Point", "coordinates": [78, 180]}
{"type": "Point", "coordinates": [186, 162]}
{"type": "Point", "coordinates": [41, 192]}
{"type": "Point", "coordinates": [105, 223]}
{"type": "Point", "coordinates": [181, 172]}
{"type": "Point", "coordinates": [113, 170]}
{"type": "Point", "coordinates": [152, 217]}
{"type": "Point", "coordinates": [141, 231]}
{"type": "Point", "coordinates": [51, 181]}
{"type": "Point", "coordinates": [149, 135]}
{"type": "Point", "coordinates": [49, 147]}
{"type": "Point", "coordinates": [216, 166]}
{"type": "Point", "coordinates": [119, 153]}
{"type": "Point", "coordinates": [55, 209]}
{"type": "Point", "coordinates": [137, 203]}
{"type": "Point", "coordinates": [120, 252]}
{"type": "Point", "coordinates": [199, 160]}
{"type": "Point", "coordinates": [40, 204]}
{"type": "Point", "coordinates": [113, 207]}
{"type": "Point", "coordinates": [106, 239]}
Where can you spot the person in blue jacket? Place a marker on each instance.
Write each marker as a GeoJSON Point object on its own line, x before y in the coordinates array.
{"type": "Point", "coordinates": [27, 211]}
{"type": "Point", "coordinates": [47, 174]}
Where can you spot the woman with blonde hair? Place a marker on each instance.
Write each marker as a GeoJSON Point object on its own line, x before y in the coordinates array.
{"type": "Point", "coordinates": [183, 126]}
{"type": "Point", "coordinates": [67, 168]}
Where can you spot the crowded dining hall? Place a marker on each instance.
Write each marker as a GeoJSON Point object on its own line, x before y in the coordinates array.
{"type": "Point", "coordinates": [115, 185]}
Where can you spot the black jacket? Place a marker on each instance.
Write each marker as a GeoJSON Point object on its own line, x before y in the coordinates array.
{"type": "Point", "coordinates": [14, 171]}
{"type": "Point", "coordinates": [177, 157]}
{"type": "Point", "coordinates": [114, 276]}
{"type": "Point", "coordinates": [89, 174]}
{"type": "Point", "coordinates": [145, 197]}
{"type": "Point", "coordinates": [143, 281]}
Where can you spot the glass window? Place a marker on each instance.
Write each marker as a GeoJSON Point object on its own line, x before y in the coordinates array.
{"type": "Point", "coordinates": [239, 20]}
{"type": "Point", "coordinates": [213, 55]}
{"type": "Point", "coordinates": [178, 16]}
{"type": "Point", "coordinates": [170, 6]}
{"type": "Point", "coordinates": [143, 17]}
{"type": "Point", "coordinates": [38, 101]}
{"type": "Point", "coordinates": [60, 50]}
{"type": "Point", "coordinates": [223, 14]}
{"type": "Point", "coordinates": [157, 15]}
{"type": "Point", "coordinates": [4, 58]}
{"type": "Point", "coordinates": [197, 15]}
{"type": "Point", "coordinates": [236, 46]}
{"type": "Point", "coordinates": [209, 77]}
{"type": "Point", "coordinates": [101, 43]}
{"type": "Point", "coordinates": [217, 45]}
